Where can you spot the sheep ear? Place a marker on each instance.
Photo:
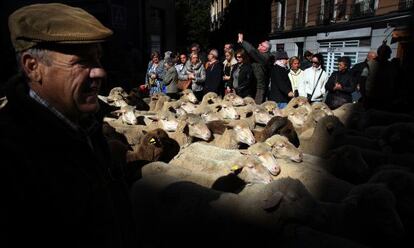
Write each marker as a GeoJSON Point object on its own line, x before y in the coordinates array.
{"type": "Point", "coordinates": [144, 131]}
{"type": "Point", "coordinates": [219, 107]}
{"type": "Point", "coordinates": [236, 169]}
{"type": "Point", "coordinates": [171, 109]}
{"type": "Point", "coordinates": [249, 114]}
{"type": "Point", "coordinates": [272, 202]}
{"type": "Point", "coordinates": [186, 129]}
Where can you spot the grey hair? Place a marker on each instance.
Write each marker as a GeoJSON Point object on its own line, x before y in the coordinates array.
{"type": "Point", "coordinates": [38, 53]}
{"type": "Point", "coordinates": [214, 52]}
{"type": "Point", "coordinates": [268, 45]}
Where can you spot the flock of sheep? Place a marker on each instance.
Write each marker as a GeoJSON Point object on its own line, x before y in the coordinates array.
{"type": "Point", "coordinates": [229, 171]}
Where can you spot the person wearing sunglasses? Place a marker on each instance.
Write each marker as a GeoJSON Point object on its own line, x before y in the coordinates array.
{"type": "Point", "coordinates": [315, 79]}
{"type": "Point", "coordinates": [243, 78]}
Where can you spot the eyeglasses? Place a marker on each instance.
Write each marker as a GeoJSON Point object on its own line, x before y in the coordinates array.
{"type": "Point", "coordinates": [315, 62]}
{"type": "Point", "coordinates": [239, 57]}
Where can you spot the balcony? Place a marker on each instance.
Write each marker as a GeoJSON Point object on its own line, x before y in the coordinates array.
{"type": "Point", "coordinates": [405, 4]}
{"type": "Point", "coordinates": [342, 12]}
{"type": "Point", "coordinates": [362, 9]}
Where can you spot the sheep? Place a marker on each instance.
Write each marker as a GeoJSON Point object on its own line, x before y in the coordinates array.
{"type": "Point", "coordinates": [401, 184]}
{"type": "Point", "coordinates": [302, 121]}
{"type": "Point", "coordinates": [135, 98]}
{"type": "Point", "coordinates": [226, 110]}
{"type": "Point", "coordinates": [270, 106]}
{"type": "Point", "coordinates": [167, 207]}
{"type": "Point", "coordinates": [264, 153]}
{"type": "Point", "coordinates": [188, 96]}
{"type": "Point", "coordinates": [164, 120]}
{"type": "Point", "coordinates": [119, 102]}
{"type": "Point", "coordinates": [398, 138]}
{"type": "Point", "coordinates": [214, 174]}
{"type": "Point", "coordinates": [348, 112]}
{"type": "Point", "coordinates": [210, 98]}
{"type": "Point", "coordinates": [237, 132]}
{"type": "Point", "coordinates": [126, 115]}
{"type": "Point", "coordinates": [277, 125]}
{"type": "Point", "coordinates": [357, 165]}
{"type": "Point", "coordinates": [249, 100]}
{"type": "Point", "coordinates": [322, 137]}
{"type": "Point", "coordinates": [188, 107]}
{"type": "Point", "coordinates": [320, 183]}
{"type": "Point", "coordinates": [295, 103]}
{"type": "Point", "coordinates": [319, 110]}
{"type": "Point", "coordinates": [157, 101]}
{"type": "Point", "coordinates": [344, 137]}
{"type": "Point", "coordinates": [233, 99]}
{"type": "Point", "coordinates": [154, 145]}
{"type": "Point", "coordinates": [190, 126]}
{"type": "Point", "coordinates": [282, 148]}
{"type": "Point", "coordinates": [254, 115]}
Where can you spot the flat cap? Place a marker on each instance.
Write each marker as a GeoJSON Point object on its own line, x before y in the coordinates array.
{"type": "Point", "coordinates": [54, 23]}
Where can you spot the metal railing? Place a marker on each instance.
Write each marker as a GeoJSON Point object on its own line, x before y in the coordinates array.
{"type": "Point", "coordinates": [405, 4]}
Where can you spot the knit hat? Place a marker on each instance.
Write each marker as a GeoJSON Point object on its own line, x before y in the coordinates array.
{"type": "Point", "coordinates": [281, 55]}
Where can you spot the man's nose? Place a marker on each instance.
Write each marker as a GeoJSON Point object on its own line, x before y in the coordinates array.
{"type": "Point", "coordinates": [97, 72]}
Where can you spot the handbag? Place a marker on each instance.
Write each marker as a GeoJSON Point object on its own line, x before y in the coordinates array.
{"type": "Point", "coordinates": [183, 84]}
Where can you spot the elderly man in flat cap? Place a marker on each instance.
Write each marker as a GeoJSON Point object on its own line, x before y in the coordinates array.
{"type": "Point", "coordinates": [61, 188]}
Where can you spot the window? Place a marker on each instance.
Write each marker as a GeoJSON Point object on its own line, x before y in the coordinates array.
{"type": "Point", "coordinates": [333, 50]}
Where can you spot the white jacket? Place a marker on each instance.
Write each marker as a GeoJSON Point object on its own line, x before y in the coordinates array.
{"type": "Point", "coordinates": [311, 82]}
{"type": "Point", "coordinates": [297, 78]}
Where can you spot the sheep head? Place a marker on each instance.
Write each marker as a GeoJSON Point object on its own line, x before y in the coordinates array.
{"type": "Point", "coordinates": [264, 153]}
{"type": "Point", "coordinates": [188, 96]}
{"type": "Point", "coordinates": [250, 169]}
{"type": "Point", "coordinates": [196, 127]}
{"type": "Point", "coordinates": [319, 110]}
{"type": "Point", "coordinates": [189, 107]}
{"type": "Point", "coordinates": [270, 106]}
{"type": "Point", "coordinates": [242, 131]}
{"type": "Point", "coordinates": [227, 111]}
{"type": "Point", "coordinates": [282, 148]}
{"type": "Point", "coordinates": [210, 98]}
{"type": "Point", "coordinates": [261, 115]}
{"type": "Point", "coordinates": [249, 101]}
{"type": "Point", "coordinates": [234, 99]}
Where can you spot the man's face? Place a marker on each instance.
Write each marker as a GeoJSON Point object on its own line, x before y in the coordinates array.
{"type": "Point", "coordinates": [263, 47]}
{"type": "Point", "coordinates": [227, 47]}
{"type": "Point", "coordinates": [194, 59]}
{"type": "Point", "coordinates": [72, 80]}
{"type": "Point", "coordinates": [315, 62]}
{"type": "Point", "coordinates": [342, 66]}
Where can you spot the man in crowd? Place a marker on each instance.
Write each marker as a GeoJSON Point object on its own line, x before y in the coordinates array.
{"type": "Point", "coordinates": [260, 62]}
{"type": "Point", "coordinates": [306, 63]}
{"type": "Point", "coordinates": [62, 188]}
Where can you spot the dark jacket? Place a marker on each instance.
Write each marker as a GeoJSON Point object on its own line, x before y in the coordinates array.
{"type": "Point", "coordinates": [305, 64]}
{"type": "Point", "coordinates": [59, 192]}
{"type": "Point", "coordinates": [260, 64]}
{"type": "Point", "coordinates": [280, 85]}
{"type": "Point", "coordinates": [337, 98]}
{"type": "Point", "coordinates": [246, 86]}
{"type": "Point", "coordinates": [214, 77]}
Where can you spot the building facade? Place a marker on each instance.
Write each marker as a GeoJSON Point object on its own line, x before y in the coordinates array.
{"type": "Point", "coordinates": [337, 28]}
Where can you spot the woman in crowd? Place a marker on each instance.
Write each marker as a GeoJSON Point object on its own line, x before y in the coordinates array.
{"type": "Point", "coordinates": [155, 70]}
{"type": "Point", "coordinates": [243, 79]}
{"type": "Point", "coordinates": [280, 86]}
{"type": "Point", "coordinates": [182, 60]}
{"type": "Point", "coordinates": [296, 76]}
{"type": "Point", "coordinates": [315, 79]}
{"type": "Point", "coordinates": [195, 72]}
{"type": "Point", "coordinates": [170, 79]}
{"type": "Point", "coordinates": [213, 74]}
{"type": "Point", "coordinates": [229, 64]}
{"type": "Point", "coordinates": [340, 85]}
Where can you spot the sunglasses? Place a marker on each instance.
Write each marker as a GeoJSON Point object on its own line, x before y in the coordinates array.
{"type": "Point", "coordinates": [315, 62]}
{"type": "Point", "coordinates": [238, 56]}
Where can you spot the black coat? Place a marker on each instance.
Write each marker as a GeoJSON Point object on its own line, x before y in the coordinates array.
{"type": "Point", "coordinates": [246, 80]}
{"type": "Point", "coordinates": [214, 79]}
{"type": "Point", "coordinates": [337, 98]}
{"type": "Point", "coordinates": [280, 85]}
{"type": "Point", "coordinates": [59, 192]}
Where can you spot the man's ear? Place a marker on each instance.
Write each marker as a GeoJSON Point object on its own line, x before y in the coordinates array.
{"type": "Point", "coordinates": [31, 67]}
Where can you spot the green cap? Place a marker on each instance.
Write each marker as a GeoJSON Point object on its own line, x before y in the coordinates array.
{"type": "Point", "coordinates": [54, 23]}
